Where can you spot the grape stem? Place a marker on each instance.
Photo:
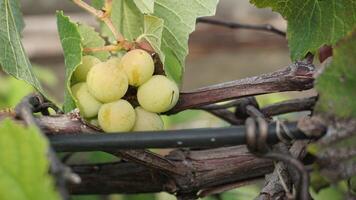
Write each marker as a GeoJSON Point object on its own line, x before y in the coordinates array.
{"type": "Point", "coordinates": [103, 15]}
{"type": "Point", "coordinates": [123, 45]}
{"type": "Point", "coordinates": [104, 48]}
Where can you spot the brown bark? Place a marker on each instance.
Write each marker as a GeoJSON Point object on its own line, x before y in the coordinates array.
{"type": "Point", "coordinates": [297, 77]}
{"type": "Point", "coordinates": [201, 169]}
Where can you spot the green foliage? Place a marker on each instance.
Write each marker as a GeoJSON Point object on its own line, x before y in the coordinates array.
{"type": "Point", "coordinates": [85, 197]}
{"type": "Point", "coordinates": [71, 44]}
{"type": "Point", "coordinates": [335, 192]}
{"type": "Point", "coordinates": [13, 58]}
{"type": "Point", "coordinates": [145, 6]}
{"type": "Point", "coordinates": [126, 18]}
{"type": "Point", "coordinates": [336, 85]}
{"type": "Point", "coordinates": [352, 183]}
{"type": "Point", "coordinates": [13, 90]}
{"type": "Point", "coordinates": [246, 192]}
{"type": "Point", "coordinates": [178, 22]}
{"type": "Point", "coordinates": [181, 117]}
{"type": "Point", "coordinates": [153, 28]}
{"type": "Point", "coordinates": [45, 75]}
{"type": "Point", "coordinates": [314, 23]}
{"type": "Point", "coordinates": [90, 157]}
{"type": "Point", "coordinates": [90, 39]}
{"type": "Point", "coordinates": [24, 170]}
{"type": "Point", "coordinates": [139, 197]}
{"type": "Point", "coordinates": [175, 35]}
{"type": "Point", "coordinates": [267, 99]}
{"type": "Point", "coordinates": [13, 8]}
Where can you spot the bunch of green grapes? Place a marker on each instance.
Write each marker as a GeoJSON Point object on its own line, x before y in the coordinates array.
{"type": "Point", "coordinates": [98, 88]}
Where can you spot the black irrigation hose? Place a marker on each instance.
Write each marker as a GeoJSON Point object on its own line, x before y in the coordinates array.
{"type": "Point", "coordinates": [193, 138]}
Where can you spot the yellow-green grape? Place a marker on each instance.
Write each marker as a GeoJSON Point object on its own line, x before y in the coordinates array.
{"type": "Point", "coordinates": [159, 94]}
{"type": "Point", "coordinates": [87, 104]}
{"type": "Point", "coordinates": [80, 74]}
{"type": "Point", "coordinates": [118, 116]}
{"type": "Point", "coordinates": [115, 61]}
{"type": "Point", "coordinates": [94, 121]}
{"type": "Point", "coordinates": [147, 121]}
{"type": "Point", "coordinates": [138, 66]}
{"type": "Point", "coordinates": [106, 82]}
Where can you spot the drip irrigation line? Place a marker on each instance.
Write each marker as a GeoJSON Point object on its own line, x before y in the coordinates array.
{"type": "Point", "coordinates": [188, 138]}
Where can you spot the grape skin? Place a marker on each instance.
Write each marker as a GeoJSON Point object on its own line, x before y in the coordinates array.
{"type": "Point", "coordinates": [80, 73]}
{"type": "Point", "coordinates": [147, 121]}
{"type": "Point", "coordinates": [118, 116]}
{"type": "Point", "coordinates": [159, 94]}
{"type": "Point", "coordinates": [115, 61]}
{"type": "Point", "coordinates": [106, 82]}
{"type": "Point", "coordinates": [138, 66]}
{"type": "Point", "coordinates": [87, 104]}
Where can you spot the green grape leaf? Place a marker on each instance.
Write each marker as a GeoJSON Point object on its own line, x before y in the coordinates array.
{"type": "Point", "coordinates": [336, 85]}
{"type": "Point", "coordinates": [335, 152]}
{"type": "Point", "coordinates": [12, 91]}
{"type": "Point", "coordinates": [126, 17]}
{"type": "Point", "coordinates": [24, 167]}
{"type": "Point", "coordinates": [175, 35]}
{"type": "Point", "coordinates": [14, 7]}
{"type": "Point", "coordinates": [145, 6]}
{"type": "Point", "coordinates": [153, 29]}
{"type": "Point", "coordinates": [337, 94]}
{"type": "Point", "coordinates": [313, 23]}
{"type": "Point", "coordinates": [90, 39]}
{"type": "Point", "coordinates": [13, 58]}
{"type": "Point", "coordinates": [178, 23]}
{"type": "Point", "coordinates": [329, 193]}
{"type": "Point", "coordinates": [72, 48]}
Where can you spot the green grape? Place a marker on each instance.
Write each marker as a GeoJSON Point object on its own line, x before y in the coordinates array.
{"type": "Point", "coordinates": [118, 116]}
{"type": "Point", "coordinates": [80, 73]}
{"type": "Point", "coordinates": [159, 94]}
{"type": "Point", "coordinates": [147, 121]}
{"type": "Point", "coordinates": [138, 66]}
{"type": "Point", "coordinates": [115, 61]}
{"type": "Point", "coordinates": [87, 104]}
{"type": "Point", "coordinates": [94, 122]}
{"type": "Point", "coordinates": [106, 82]}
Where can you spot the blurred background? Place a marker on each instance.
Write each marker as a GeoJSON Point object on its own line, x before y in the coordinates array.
{"type": "Point", "coordinates": [217, 54]}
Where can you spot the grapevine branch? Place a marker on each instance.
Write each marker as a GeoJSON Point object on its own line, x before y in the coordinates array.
{"type": "Point", "coordinates": [204, 169]}
{"type": "Point", "coordinates": [71, 123]}
{"type": "Point", "coordinates": [296, 77]}
{"type": "Point", "coordinates": [234, 25]}
{"type": "Point", "coordinates": [294, 105]}
{"type": "Point", "coordinates": [273, 187]}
